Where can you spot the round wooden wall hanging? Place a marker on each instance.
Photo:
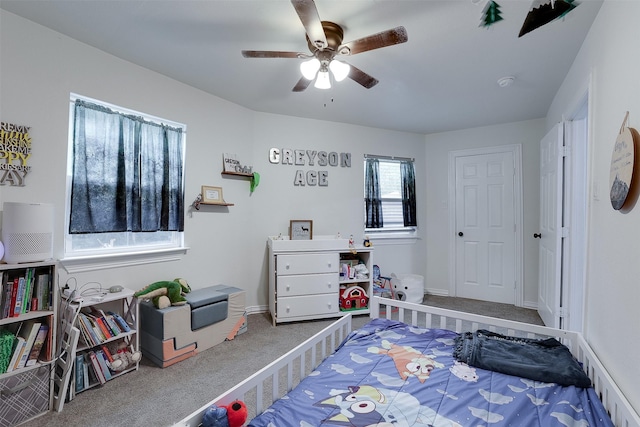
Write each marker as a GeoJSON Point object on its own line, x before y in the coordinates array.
{"type": "Point", "coordinates": [622, 162]}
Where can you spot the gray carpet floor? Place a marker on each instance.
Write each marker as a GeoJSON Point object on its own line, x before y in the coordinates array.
{"type": "Point", "coordinates": [152, 396]}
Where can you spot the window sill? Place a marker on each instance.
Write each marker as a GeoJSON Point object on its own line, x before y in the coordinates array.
{"type": "Point", "coordinates": [392, 237]}
{"type": "Point", "coordinates": [101, 262]}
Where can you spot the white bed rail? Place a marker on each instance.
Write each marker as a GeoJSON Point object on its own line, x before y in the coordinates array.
{"type": "Point", "coordinates": [620, 410]}
{"type": "Point", "coordinates": [257, 399]}
{"type": "Point", "coordinates": [306, 357]}
{"type": "Point", "coordinates": [434, 317]}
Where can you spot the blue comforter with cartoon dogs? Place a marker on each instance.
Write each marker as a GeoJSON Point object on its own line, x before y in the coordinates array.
{"type": "Point", "coordinates": [389, 374]}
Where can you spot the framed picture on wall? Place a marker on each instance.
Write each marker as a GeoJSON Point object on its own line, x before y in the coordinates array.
{"type": "Point", "coordinates": [301, 229]}
{"type": "Point", "coordinates": [212, 194]}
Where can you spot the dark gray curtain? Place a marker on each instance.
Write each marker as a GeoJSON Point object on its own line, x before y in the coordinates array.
{"type": "Point", "coordinates": [408, 176]}
{"type": "Point", "coordinates": [373, 202]}
{"type": "Point", "coordinates": [127, 173]}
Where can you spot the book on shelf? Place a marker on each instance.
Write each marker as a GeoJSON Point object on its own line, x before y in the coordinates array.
{"type": "Point", "coordinates": [79, 373]}
{"type": "Point", "coordinates": [18, 349]}
{"type": "Point", "coordinates": [86, 326]}
{"type": "Point", "coordinates": [18, 290]}
{"type": "Point", "coordinates": [107, 353]}
{"type": "Point", "coordinates": [28, 290]}
{"type": "Point", "coordinates": [111, 323]}
{"type": "Point", "coordinates": [7, 291]}
{"type": "Point", "coordinates": [91, 378]}
{"type": "Point", "coordinates": [98, 315]}
{"type": "Point", "coordinates": [43, 291]}
{"type": "Point", "coordinates": [124, 326]}
{"type": "Point", "coordinates": [37, 346]}
{"type": "Point", "coordinates": [102, 360]}
{"type": "Point", "coordinates": [96, 367]}
{"type": "Point", "coordinates": [85, 372]}
{"type": "Point", "coordinates": [98, 327]}
{"type": "Point", "coordinates": [29, 331]}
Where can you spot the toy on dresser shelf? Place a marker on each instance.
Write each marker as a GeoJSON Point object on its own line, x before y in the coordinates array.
{"type": "Point", "coordinates": [352, 246]}
{"type": "Point", "coordinates": [165, 293]}
{"type": "Point", "coordinates": [233, 415]}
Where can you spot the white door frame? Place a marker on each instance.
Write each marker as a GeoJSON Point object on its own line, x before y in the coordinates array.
{"type": "Point", "coordinates": [516, 151]}
{"type": "Point", "coordinates": [575, 216]}
{"type": "Point", "coordinates": [552, 231]}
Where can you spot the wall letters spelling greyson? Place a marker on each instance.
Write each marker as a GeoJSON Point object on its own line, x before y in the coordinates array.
{"type": "Point", "coordinates": [15, 149]}
{"type": "Point", "coordinates": [287, 156]}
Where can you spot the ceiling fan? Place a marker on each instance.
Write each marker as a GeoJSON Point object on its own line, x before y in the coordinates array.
{"type": "Point", "coordinates": [324, 39]}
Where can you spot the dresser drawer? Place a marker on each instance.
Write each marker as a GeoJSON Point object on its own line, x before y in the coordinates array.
{"type": "Point", "coordinates": [307, 264]}
{"type": "Point", "coordinates": [307, 305]}
{"type": "Point", "coordinates": [307, 284]}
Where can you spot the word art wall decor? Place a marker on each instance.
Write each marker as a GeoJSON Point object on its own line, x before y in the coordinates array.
{"type": "Point", "coordinates": [287, 156]}
{"type": "Point", "coordinates": [15, 150]}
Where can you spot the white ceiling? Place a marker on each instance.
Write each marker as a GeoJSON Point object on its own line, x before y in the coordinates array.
{"type": "Point", "coordinates": [444, 78]}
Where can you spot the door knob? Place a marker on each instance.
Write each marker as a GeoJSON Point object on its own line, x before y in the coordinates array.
{"type": "Point", "coordinates": [460, 233]}
{"type": "Point", "coordinates": [537, 235]}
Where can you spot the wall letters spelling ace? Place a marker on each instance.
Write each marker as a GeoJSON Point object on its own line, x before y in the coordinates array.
{"type": "Point", "coordinates": [287, 156]}
{"type": "Point", "coordinates": [15, 149]}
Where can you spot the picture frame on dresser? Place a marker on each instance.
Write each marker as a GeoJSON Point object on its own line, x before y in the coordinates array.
{"type": "Point", "coordinates": [301, 229]}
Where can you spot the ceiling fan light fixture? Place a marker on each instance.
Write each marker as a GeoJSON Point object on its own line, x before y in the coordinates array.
{"type": "Point", "coordinates": [323, 81]}
{"type": "Point", "coordinates": [340, 70]}
{"type": "Point", "coordinates": [310, 68]}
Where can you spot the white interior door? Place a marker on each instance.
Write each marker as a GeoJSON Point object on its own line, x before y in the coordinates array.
{"type": "Point", "coordinates": [485, 225]}
{"type": "Point", "coordinates": [551, 227]}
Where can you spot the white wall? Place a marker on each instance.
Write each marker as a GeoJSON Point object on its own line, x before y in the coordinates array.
{"type": "Point", "coordinates": [528, 134]}
{"type": "Point", "coordinates": [609, 65]}
{"type": "Point", "coordinates": [39, 68]}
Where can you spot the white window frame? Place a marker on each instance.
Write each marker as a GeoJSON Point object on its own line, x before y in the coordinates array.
{"type": "Point", "coordinates": [390, 234]}
{"type": "Point", "coordinates": [107, 256]}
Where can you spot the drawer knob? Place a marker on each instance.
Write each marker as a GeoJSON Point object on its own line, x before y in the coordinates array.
{"type": "Point", "coordinates": [288, 288]}
{"type": "Point", "coordinates": [329, 285]}
{"type": "Point", "coordinates": [287, 266]}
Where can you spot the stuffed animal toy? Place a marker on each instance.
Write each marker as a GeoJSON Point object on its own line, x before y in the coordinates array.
{"type": "Point", "coordinates": [165, 293]}
{"type": "Point", "coordinates": [123, 358]}
{"type": "Point", "coordinates": [233, 415]}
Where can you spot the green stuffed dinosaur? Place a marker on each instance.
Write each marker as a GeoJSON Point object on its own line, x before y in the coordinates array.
{"type": "Point", "coordinates": [165, 293]}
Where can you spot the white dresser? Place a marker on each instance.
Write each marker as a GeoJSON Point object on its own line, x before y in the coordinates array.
{"type": "Point", "coordinates": [305, 280]}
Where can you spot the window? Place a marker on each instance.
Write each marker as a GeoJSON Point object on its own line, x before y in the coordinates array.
{"type": "Point", "coordinates": [124, 181]}
{"type": "Point", "coordinates": [390, 202]}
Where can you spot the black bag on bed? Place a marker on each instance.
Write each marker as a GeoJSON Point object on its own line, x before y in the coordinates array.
{"type": "Point", "coordinates": [545, 360]}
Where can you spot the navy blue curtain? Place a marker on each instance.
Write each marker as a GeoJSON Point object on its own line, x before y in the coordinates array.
{"type": "Point", "coordinates": [127, 173]}
{"type": "Point", "coordinates": [408, 177]}
{"type": "Point", "coordinates": [373, 202]}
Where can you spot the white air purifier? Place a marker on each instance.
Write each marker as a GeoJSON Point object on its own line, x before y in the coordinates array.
{"type": "Point", "coordinates": [27, 232]}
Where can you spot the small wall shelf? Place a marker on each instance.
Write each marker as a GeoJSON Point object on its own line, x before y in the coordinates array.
{"type": "Point", "coordinates": [246, 175]}
{"type": "Point", "coordinates": [217, 204]}
{"type": "Point", "coordinates": [198, 201]}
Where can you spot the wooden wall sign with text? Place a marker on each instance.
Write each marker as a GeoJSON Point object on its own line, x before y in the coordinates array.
{"type": "Point", "coordinates": [15, 150]}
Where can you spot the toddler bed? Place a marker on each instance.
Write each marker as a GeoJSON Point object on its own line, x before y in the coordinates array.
{"type": "Point", "coordinates": [407, 368]}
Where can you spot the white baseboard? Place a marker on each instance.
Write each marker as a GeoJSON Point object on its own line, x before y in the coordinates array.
{"type": "Point", "coordinates": [437, 292]}
{"type": "Point", "coordinates": [255, 309]}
